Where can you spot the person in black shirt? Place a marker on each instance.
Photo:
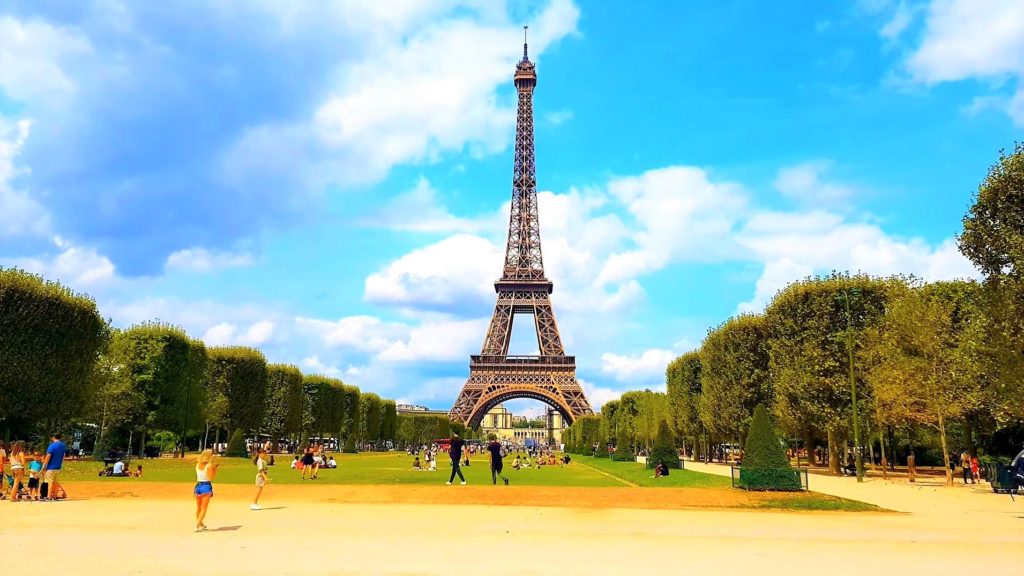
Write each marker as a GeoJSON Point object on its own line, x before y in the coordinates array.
{"type": "Point", "coordinates": [494, 449]}
{"type": "Point", "coordinates": [455, 452]}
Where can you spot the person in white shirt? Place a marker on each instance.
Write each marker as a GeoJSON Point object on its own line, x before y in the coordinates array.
{"type": "Point", "coordinates": [119, 468]}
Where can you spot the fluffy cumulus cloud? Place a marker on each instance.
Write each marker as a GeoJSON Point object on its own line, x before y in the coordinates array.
{"type": "Point", "coordinates": [647, 366]}
{"type": "Point", "coordinates": [225, 333]}
{"type": "Point", "coordinates": [199, 259]}
{"type": "Point", "coordinates": [973, 39]}
{"type": "Point", "coordinates": [369, 86]}
{"type": "Point", "coordinates": [21, 214]}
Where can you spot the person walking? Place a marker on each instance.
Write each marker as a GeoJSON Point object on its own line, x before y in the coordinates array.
{"type": "Point", "coordinates": [455, 453]}
{"type": "Point", "coordinates": [52, 464]}
{"type": "Point", "coordinates": [912, 466]}
{"type": "Point", "coordinates": [307, 460]}
{"type": "Point", "coordinates": [206, 471]}
{"type": "Point", "coordinates": [494, 454]}
{"type": "Point", "coordinates": [17, 468]}
{"type": "Point", "coordinates": [262, 478]}
{"type": "Point", "coordinates": [965, 465]}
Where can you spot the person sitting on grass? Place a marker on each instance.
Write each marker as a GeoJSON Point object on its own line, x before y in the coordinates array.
{"type": "Point", "coordinates": [566, 460]}
{"type": "Point", "coordinates": [660, 470]}
{"type": "Point", "coordinates": [416, 464]}
{"type": "Point", "coordinates": [433, 465]}
{"type": "Point", "coordinates": [332, 463]}
{"type": "Point", "coordinates": [119, 468]}
{"type": "Point", "coordinates": [517, 463]}
{"type": "Point", "coordinates": [295, 463]}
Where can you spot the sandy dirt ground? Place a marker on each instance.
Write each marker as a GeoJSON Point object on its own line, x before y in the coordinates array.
{"type": "Point", "coordinates": [146, 529]}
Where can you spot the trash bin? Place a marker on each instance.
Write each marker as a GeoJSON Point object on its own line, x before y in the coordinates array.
{"type": "Point", "coordinates": [1001, 478]}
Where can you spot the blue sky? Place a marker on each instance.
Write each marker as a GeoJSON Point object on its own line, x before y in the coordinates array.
{"type": "Point", "coordinates": [330, 181]}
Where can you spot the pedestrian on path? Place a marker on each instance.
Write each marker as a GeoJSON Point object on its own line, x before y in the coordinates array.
{"type": "Point", "coordinates": [912, 466]}
{"type": "Point", "coordinates": [494, 453]}
{"type": "Point", "coordinates": [262, 478]}
{"type": "Point", "coordinates": [455, 453]}
{"type": "Point", "coordinates": [965, 465]}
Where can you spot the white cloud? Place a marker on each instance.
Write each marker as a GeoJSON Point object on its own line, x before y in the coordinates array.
{"type": "Point", "coordinates": [199, 259]}
{"type": "Point", "coordinates": [35, 57]}
{"type": "Point", "coordinates": [364, 333]}
{"type": "Point", "coordinates": [75, 266]}
{"type": "Point", "coordinates": [438, 341]}
{"type": "Point", "coordinates": [972, 39]}
{"type": "Point", "coordinates": [598, 395]}
{"type": "Point", "coordinates": [425, 88]}
{"type": "Point", "coordinates": [558, 117]}
{"type": "Point", "coordinates": [226, 333]}
{"type": "Point", "coordinates": [441, 275]}
{"type": "Point", "coordinates": [648, 365]}
{"type": "Point", "coordinates": [777, 274]}
{"type": "Point", "coordinates": [901, 19]}
{"type": "Point", "coordinates": [314, 364]}
{"type": "Point", "coordinates": [420, 210]}
{"type": "Point", "coordinates": [21, 214]}
{"type": "Point", "coordinates": [804, 184]}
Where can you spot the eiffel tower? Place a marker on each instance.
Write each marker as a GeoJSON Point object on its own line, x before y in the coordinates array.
{"type": "Point", "coordinates": [494, 376]}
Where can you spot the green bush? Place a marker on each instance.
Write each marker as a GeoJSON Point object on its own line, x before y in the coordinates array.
{"type": "Point", "coordinates": [623, 455]}
{"type": "Point", "coordinates": [602, 452]}
{"type": "Point", "coordinates": [765, 465]}
{"type": "Point", "coordinates": [350, 446]}
{"type": "Point", "coordinates": [236, 445]}
{"type": "Point", "coordinates": [664, 449]}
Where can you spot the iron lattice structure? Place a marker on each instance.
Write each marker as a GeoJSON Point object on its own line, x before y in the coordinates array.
{"type": "Point", "coordinates": [494, 376]}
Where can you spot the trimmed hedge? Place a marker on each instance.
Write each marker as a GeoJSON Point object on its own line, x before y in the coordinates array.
{"type": "Point", "coordinates": [664, 449]}
{"type": "Point", "coordinates": [623, 456]}
{"type": "Point", "coordinates": [765, 465]}
{"type": "Point", "coordinates": [236, 445]}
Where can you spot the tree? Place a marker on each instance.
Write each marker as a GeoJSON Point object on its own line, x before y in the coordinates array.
{"type": "Point", "coordinates": [924, 366]}
{"type": "Point", "coordinates": [238, 380]}
{"type": "Point", "coordinates": [162, 364]}
{"type": "Point", "coordinates": [664, 449]}
{"type": "Point", "coordinates": [50, 340]}
{"type": "Point", "coordinates": [609, 421]}
{"type": "Point", "coordinates": [284, 401]}
{"type": "Point", "coordinates": [236, 445]}
{"type": "Point", "coordinates": [682, 382]}
{"type": "Point", "coordinates": [370, 416]}
{"type": "Point", "coordinates": [734, 374]}
{"type": "Point", "coordinates": [389, 423]}
{"type": "Point", "coordinates": [325, 400]}
{"type": "Point", "coordinates": [352, 412]}
{"type": "Point", "coordinates": [765, 464]}
{"type": "Point", "coordinates": [993, 235]}
{"type": "Point", "coordinates": [809, 355]}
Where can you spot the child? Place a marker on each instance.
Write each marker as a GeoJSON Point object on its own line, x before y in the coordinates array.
{"type": "Point", "coordinates": [261, 477]}
{"type": "Point", "coordinates": [35, 470]}
{"type": "Point", "coordinates": [138, 471]}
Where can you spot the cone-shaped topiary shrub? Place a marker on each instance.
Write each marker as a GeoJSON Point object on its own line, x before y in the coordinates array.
{"type": "Point", "coordinates": [350, 446]}
{"type": "Point", "coordinates": [236, 445]}
{"type": "Point", "coordinates": [765, 465]}
{"type": "Point", "coordinates": [664, 448]}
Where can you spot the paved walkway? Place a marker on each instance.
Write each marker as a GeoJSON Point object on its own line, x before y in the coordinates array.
{"type": "Point", "coordinates": [930, 497]}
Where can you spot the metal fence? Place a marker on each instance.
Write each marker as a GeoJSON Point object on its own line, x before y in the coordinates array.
{"type": "Point", "coordinates": [776, 479]}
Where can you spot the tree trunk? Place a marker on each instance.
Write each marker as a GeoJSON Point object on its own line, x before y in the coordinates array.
{"type": "Point", "coordinates": [871, 449]}
{"type": "Point", "coordinates": [833, 452]}
{"type": "Point", "coordinates": [142, 443]}
{"type": "Point", "coordinates": [809, 447]}
{"type": "Point", "coordinates": [881, 447]}
{"type": "Point", "coordinates": [216, 438]}
{"type": "Point", "coordinates": [892, 450]}
{"type": "Point", "coordinates": [945, 450]}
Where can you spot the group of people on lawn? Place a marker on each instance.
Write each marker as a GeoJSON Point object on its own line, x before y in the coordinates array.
{"type": "Point", "coordinates": [41, 470]}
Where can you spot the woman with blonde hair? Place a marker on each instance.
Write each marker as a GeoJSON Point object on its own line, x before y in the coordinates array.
{"type": "Point", "coordinates": [206, 471]}
{"type": "Point", "coordinates": [17, 468]}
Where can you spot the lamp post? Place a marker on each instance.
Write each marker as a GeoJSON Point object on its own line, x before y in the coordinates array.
{"type": "Point", "coordinates": [858, 454]}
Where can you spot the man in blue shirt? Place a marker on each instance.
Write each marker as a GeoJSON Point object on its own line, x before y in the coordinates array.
{"type": "Point", "coordinates": [52, 463]}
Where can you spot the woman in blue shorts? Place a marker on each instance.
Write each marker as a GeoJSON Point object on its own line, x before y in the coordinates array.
{"type": "Point", "coordinates": [206, 470]}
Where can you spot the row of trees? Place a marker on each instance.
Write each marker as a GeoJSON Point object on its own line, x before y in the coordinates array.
{"type": "Point", "coordinates": [64, 367]}
{"type": "Point", "coordinates": [849, 355]}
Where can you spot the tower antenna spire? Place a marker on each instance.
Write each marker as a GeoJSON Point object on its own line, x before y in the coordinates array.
{"type": "Point", "coordinates": [525, 57]}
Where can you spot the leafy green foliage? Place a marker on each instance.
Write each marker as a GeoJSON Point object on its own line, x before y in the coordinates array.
{"type": "Point", "coordinates": [993, 235]}
{"type": "Point", "coordinates": [237, 385]}
{"type": "Point", "coordinates": [420, 429]}
{"type": "Point", "coordinates": [765, 465]}
{"type": "Point", "coordinates": [284, 400]}
{"type": "Point", "coordinates": [50, 340]}
{"type": "Point", "coordinates": [325, 402]}
{"type": "Point", "coordinates": [371, 413]}
{"type": "Point", "coordinates": [682, 382]}
{"type": "Point", "coordinates": [236, 445]}
{"type": "Point", "coordinates": [734, 374]}
{"type": "Point", "coordinates": [664, 449]}
{"type": "Point", "coordinates": [389, 421]}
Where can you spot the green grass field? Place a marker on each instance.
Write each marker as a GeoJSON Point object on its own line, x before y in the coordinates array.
{"type": "Point", "coordinates": [395, 468]}
{"type": "Point", "coordinates": [388, 468]}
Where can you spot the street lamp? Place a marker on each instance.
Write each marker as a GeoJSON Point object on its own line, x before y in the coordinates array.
{"type": "Point", "coordinates": [858, 453]}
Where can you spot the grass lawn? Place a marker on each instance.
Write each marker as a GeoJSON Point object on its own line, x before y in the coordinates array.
{"type": "Point", "coordinates": [638, 475]}
{"type": "Point", "coordinates": [387, 468]}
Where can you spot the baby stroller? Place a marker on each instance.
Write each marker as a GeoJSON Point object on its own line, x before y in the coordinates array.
{"type": "Point", "coordinates": [22, 490]}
